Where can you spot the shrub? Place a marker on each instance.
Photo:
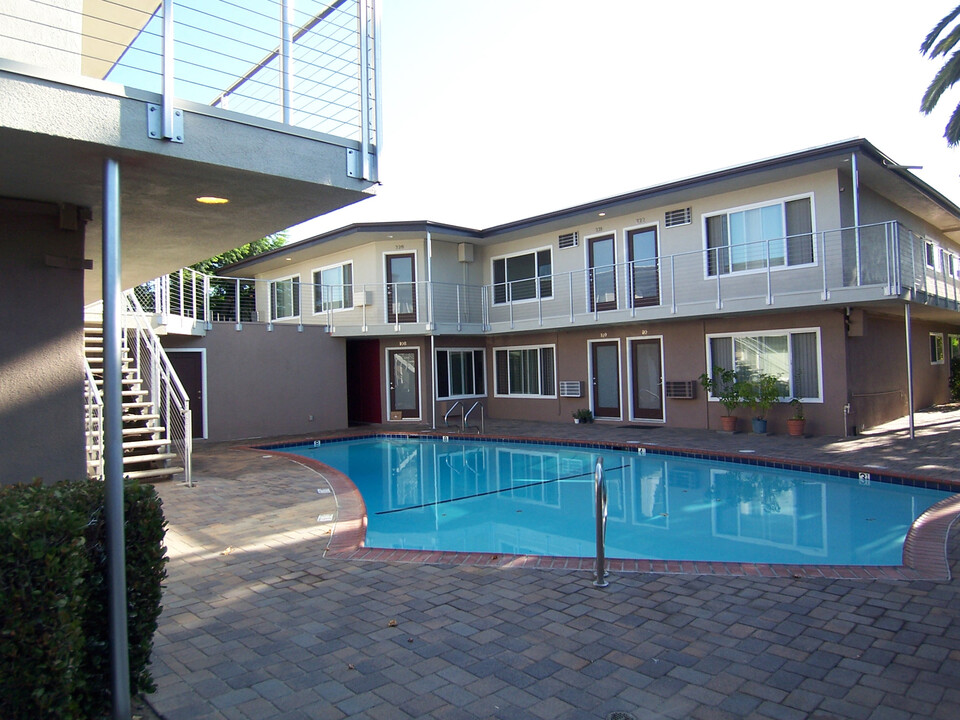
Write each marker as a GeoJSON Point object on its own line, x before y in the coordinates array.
{"type": "Point", "coordinates": [955, 379]}
{"type": "Point", "coordinates": [71, 679]}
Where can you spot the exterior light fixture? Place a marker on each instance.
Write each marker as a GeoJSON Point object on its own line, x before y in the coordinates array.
{"type": "Point", "coordinates": [212, 200]}
{"type": "Point", "coordinates": [601, 214]}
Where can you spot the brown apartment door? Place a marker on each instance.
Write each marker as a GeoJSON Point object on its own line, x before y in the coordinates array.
{"type": "Point", "coordinates": [646, 370]}
{"type": "Point", "coordinates": [401, 288]}
{"type": "Point", "coordinates": [188, 365]}
{"type": "Point", "coordinates": [602, 256]}
{"type": "Point", "coordinates": [605, 366]}
{"type": "Point", "coordinates": [644, 266]}
{"type": "Point", "coordinates": [404, 384]}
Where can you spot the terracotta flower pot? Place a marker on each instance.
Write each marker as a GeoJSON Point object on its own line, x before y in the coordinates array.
{"type": "Point", "coordinates": [796, 427]}
{"type": "Point", "coordinates": [728, 423]}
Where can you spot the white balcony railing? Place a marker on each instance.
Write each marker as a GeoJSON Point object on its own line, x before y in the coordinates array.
{"type": "Point", "coordinates": [309, 64]}
{"type": "Point", "coordinates": [870, 262]}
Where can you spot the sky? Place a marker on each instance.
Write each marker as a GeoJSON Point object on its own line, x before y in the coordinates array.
{"type": "Point", "coordinates": [499, 110]}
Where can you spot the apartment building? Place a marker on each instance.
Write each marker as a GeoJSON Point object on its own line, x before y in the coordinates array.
{"type": "Point", "coordinates": [815, 267]}
{"type": "Point", "coordinates": [164, 133]}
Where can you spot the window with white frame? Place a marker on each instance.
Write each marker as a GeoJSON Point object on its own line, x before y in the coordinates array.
{"type": "Point", "coordinates": [524, 276]}
{"type": "Point", "coordinates": [930, 255]}
{"type": "Point", "coordinates": [792, 356]}
{"type": "Point", "coordinates": [936, 348]}
{"type": "Point", "coordinates": [460, 373]}
{"type": "Point", "coordinates": [743, 239]}
{"type": "Point", "coordinates": [285, 298]}
{"type": "Point", "coordinates": [333, 288]}
{"type": "Point", "coordinates": [525, 371]}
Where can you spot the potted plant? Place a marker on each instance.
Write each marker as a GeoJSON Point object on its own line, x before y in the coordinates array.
{"type": "Point", "coordinates": [761, 394]}
{"type": "Point", "coordinates": [797, 423]}
{"type": "Point", "coordinates": [583, 415]}
{"type": "Point", "coordinates": [727, 388]}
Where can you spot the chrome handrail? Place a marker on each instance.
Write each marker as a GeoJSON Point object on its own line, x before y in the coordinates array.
{"type": "Point", "coordinates": [450, 410]}
{"type": "Point", "coordinates": [600, 488]}
{"type": "Point", "coordinates": [466, 415]}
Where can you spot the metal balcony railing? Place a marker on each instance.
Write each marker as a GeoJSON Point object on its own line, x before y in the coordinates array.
{"type": "Point", "coordinates": [309, 64]}
{"type": "Point", "coordinates": [869, 262]}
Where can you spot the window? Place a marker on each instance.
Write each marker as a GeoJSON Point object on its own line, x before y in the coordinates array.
{"type": "Point", "coordinates": [741, 240]}
{"type": "Point", "coordinates": [954, 342]}
{"type": "Point", "coordinates": [522, 277]}
{"type": "Point", "coordinates": [333, 288]}
{"type": "Point", "coordinates": [285, 298]}
{"type": "Point", "coordinates": [528, 372]}
{"type": "Point", "coordinates": [930, 255]}
{"type": "Point", "coordinates": [936, 348]}
{"type": "Point", "coordinates": [460, 374]}
{"type": "Point", "coordinates": [793, 356]}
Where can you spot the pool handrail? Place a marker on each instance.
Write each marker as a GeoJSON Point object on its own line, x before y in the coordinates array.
{"type": "Point", "coordinates": [466, 415]}
{"type": "Point", "coordinates": [453, 407]}
{"type": "Point", "coordinates": [600, 488]}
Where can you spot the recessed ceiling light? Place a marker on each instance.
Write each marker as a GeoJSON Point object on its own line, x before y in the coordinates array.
{"type": "Point", "coordinates": [602, 214]}
{"type": "Point", "coordinates": [288, 259]}
{"type": "Point", "coordinates": [212, 200]}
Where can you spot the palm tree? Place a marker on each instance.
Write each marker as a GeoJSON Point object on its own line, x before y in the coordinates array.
{"type": "Point", "coordinates": [947, 75]}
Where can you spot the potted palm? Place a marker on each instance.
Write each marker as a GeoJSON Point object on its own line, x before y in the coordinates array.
{"type": "Point", "coordinates": [797, 423]}
{"type": "Point", "coordinates": [762, 393]}
{"type": "Point", "coordinates": [583, 415]}
{"type": "Point", "coordinates": [727, 388]}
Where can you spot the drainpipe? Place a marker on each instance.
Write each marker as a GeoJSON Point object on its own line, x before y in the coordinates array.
{"type": "Point", "coordinates": [856, 208]}
{"type": "Point", "coordinates": [433, 353]}
{"type": "Point", "coordinates": [113, 445]}
{"type": "Point", "coordinates": [906, 327]}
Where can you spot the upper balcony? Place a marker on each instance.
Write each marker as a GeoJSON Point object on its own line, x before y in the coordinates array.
{"type": "Point", "coordinates": [883, 264]}
{"type": "Point", "coordinates": [273, 105]}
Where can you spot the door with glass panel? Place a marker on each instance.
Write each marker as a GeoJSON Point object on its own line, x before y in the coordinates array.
{"type": "Point", "coordinates": [605, 368]}
{"type": "Point", "coordinates": [602, 258]}
{"type": "Point", "coordinates": [401, 288]}
{"type": "Point", "coordinates": [404, 390]}
{"type": "Point", "coordinates": [646, 379]}
{"type": "Point", "coordinates": [642, 252]}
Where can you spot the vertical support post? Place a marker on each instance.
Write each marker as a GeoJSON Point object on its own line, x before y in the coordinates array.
{"type": "Point", "coordinates": [364, 38]}
{"type": "Point", "coordinates": [570, 275]}
{"type": "Point", "coordinates": [673, 285]}
{"type": "Point", "coordinates": [166, 106]}
{"type": "Point", "coordinates": [856, 210]}
{"type": "Point", "coordinates": [377, 91]}
{"type": "Point", "coordinates": [823, 262]}
{"type": "Point", "coordinates": [286, 58]}
{"type": "Point", "coordinates": [433, 380]}
{"type": "Point", "coordinates": [766, 250]}
{"type": "Point", "coordinates": [600, 497]}
{"type": "Point", "coordinates": [236, 301]}
{"type": "Point", "coordinates": [113, 445]}
{"type": "Point", "coordinates": [430, 319]}
{"type": "Point", "coordinates": [906, 327]}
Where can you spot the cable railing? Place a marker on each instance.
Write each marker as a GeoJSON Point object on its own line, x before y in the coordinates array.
{"type": "Point", "coordinates": [93, 423]}
{"type": "Point", "coordinates": [157, 374]}
{"type": "Point", "coordinates": [869, 262]}
{"type": "Point", "coordinates": [308, 64]}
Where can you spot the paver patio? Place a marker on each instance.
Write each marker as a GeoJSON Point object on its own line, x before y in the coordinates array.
{"type": "Point", "coordinates": [257, 623]}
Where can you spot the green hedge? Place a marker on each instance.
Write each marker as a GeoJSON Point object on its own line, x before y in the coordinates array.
{"type": "Point", "coordinates": [54, 627]}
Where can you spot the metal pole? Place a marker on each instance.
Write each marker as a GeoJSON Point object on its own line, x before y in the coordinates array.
{"type": "Point", "coordinates": [378, 93]}
{"type": "Point", "coordinates": [433, 379]}
{"type": "Point", "coordinates": [856, 209]}
{"type": "Point", "coordinates": [166, 106]}
{"type": "Point", "coordinates": [364, 38]}
{"type": "Point", "coordinates": [286, 58]}
{"type": "Point", "coordinates": [113, 444]}
{"type": "Point", "coordinates": [906, 325]}
{"type": "Point", "coordinates": [601, 512]}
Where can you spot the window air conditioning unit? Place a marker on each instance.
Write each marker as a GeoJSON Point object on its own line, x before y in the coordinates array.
{"type": "Point", "coordinates": [569, 240]}
{"type": "Point", "coordinates": [362, 297]}
{"type": "Point", "coordinates": [570, 388]}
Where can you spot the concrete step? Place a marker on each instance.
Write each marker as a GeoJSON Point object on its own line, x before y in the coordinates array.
{"type": "Point", "coordinates": [140, 444]}
{"type": "Point", "coordinates": [133, 417]}
{"type": "Point", "coordinates": [155, 473]}
{"type": "Point", "coordinates": [154, 457]}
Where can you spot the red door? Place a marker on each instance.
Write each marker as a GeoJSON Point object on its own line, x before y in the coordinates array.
{"type": "Point", "coordinates": [363, 382]}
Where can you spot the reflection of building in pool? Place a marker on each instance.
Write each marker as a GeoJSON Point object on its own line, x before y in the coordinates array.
{"type": "Point", "coordinates": [812, 267]}
{"type": "Point", "coordinates": [96, 116]}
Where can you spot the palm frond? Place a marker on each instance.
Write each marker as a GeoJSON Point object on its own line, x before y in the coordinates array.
{"type": "Point", "coordinates": [945, 78]}
{"type": "Point", "coordinates": [932, 36]}
{"type": "Point", "coordinates": [952, 131]}
{"type": "Point", "coordinates": [947, 43]}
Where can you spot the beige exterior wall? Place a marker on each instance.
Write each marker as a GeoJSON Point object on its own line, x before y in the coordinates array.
{"type": "Point", "coordinates": [264, 383]}
{"type": "Point", "coordinates": [41, 356]}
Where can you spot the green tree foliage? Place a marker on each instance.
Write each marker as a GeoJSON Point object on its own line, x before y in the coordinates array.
{"type": "Point", "coordinates": [948, 74]}
{"type": "Point", "coordinates": [211, 265]}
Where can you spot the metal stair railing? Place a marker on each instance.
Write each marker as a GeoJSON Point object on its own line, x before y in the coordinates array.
{"type": "Point", "coordinates": [158, 375]}
{"type": "Point", "coordinates": [93, 423]}
{"type": "Point", "coordinates": [466, 416]}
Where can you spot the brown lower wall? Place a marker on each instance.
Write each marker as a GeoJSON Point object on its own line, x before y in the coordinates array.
{"type": "Point", "coordinates": [41, 345]}
{"type": "Point", "coordinates": [264, 383]}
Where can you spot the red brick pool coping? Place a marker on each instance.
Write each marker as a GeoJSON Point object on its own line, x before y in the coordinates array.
{"type": "Point", "coordinates": [924, 550]}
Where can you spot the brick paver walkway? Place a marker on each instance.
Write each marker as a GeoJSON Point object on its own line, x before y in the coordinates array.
{"type": "Point", "coordinates": [258, 624]}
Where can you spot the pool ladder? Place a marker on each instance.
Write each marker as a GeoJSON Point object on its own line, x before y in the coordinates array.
{"type": "Point", "coordinates": [600, 491]}
{"type": "Point", "coordinates": [465, 416]}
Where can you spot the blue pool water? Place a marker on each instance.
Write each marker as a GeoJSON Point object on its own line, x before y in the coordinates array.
{"type": "Point", "coordinates": [538, 499]}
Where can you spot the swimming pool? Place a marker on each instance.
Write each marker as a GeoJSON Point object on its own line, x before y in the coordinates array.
{"type": "Point", "coordinates": [532, 499]}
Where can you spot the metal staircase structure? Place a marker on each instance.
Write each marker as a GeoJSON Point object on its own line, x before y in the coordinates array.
{"type": "Point", "coordinates": [157, 442]}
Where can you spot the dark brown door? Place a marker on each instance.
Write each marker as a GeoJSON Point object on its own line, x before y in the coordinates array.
{"type": "Point", "coordinates": [189, 368]}
{"type": "Point", "coordinates": [603, 273]}
{"type": "Point", "coordinates": [605, 364]}
{"type": "Point", "coordinates": [404, 384]}
{"type": "Point", "coordinates": [363, 382]}
{"type": "Point", "coordinates": [647, 379]}
{"type": "Point", "coordinates": [401, 288]}
{"type": "Point", "coordinates": [644, 266]}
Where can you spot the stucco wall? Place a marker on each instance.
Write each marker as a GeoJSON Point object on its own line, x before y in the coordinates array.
{"type": "Point", "coordinates": [41, 346]}
{"type": "Point", "coordinates": [264, 383]}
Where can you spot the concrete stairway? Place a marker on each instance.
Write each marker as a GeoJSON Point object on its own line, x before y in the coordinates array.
{"type": "Point", "coordinates": [146, 452]}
